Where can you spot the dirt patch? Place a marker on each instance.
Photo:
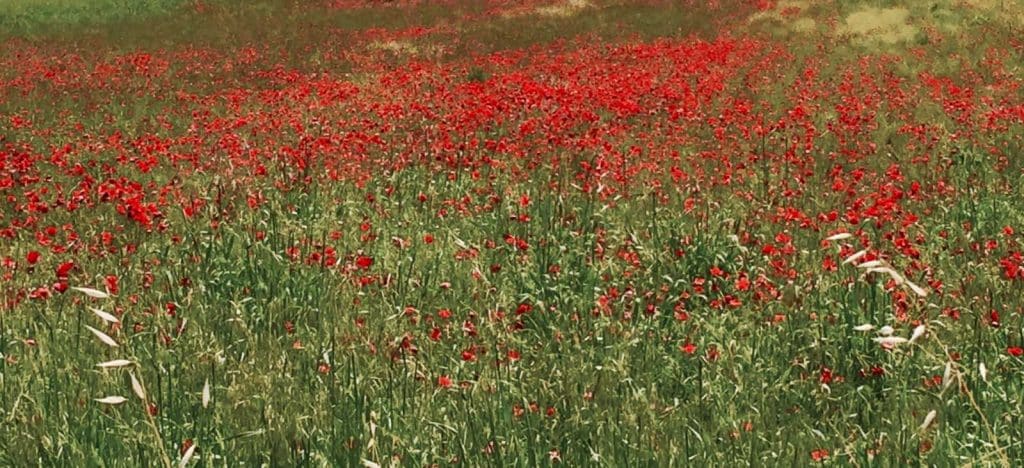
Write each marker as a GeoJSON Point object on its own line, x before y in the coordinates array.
{"type": "Point", "coordinates": [887, 25]}
{"type": "Point", "coordinates": [563, 9]}
{"type": "Point", "coordinates": [407, 48]}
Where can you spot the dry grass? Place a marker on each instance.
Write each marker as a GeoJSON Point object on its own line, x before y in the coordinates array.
{"type": "Point", "coordinates": [1011, 11]}
{"type": "Point", "coordinates": [886, 25]}
{"type": "Point", "coordinates": [876, 26]}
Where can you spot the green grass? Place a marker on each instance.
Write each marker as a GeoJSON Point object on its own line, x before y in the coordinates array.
{"type": "Point", "coordinates": [30, 15]}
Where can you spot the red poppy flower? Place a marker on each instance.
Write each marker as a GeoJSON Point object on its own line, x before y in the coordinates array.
{"type": "Point", "coordinates": [64, 269]}
{"type": "Point", "coordinates": [364, 262]}
{"type": "Point", "coordinates": [32, 257]}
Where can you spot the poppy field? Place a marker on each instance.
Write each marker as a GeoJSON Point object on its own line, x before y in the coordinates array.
{"type": "Point", "coordinates": [511, 233]}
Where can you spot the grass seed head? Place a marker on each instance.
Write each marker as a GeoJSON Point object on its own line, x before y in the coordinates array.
{"type": "Point", "coordinates": [206, 393]}
{"type": "Point", "coordinates": [947, 376]}
{"type": "Point", "coordinates": [928, 418]}
{"type": "Point", "coordinates": [918, 333]}
{"type": "Point", "coordinates": [112, 400]}
{"type": "Point", "coordinates": [93, 293]}
{"type": "Point", "coordinates": [115, 364]}
{"type": "Point", "coordinates": [855, 257]}
{"type": "Point", "coordinates": [137, 387]}
{"type": "Point", "coordinates": [890, 340]}
{"type": "Point", "coordinates": [105, 316]}
{"type": "Point", "coordinates": [871, 264]}
{"type": "Point", "coordinates": [921, 292]}
{"type": "Point", "coordinates": [838, 237]}
{"type": "Point", "coordinates": [105, 338]}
